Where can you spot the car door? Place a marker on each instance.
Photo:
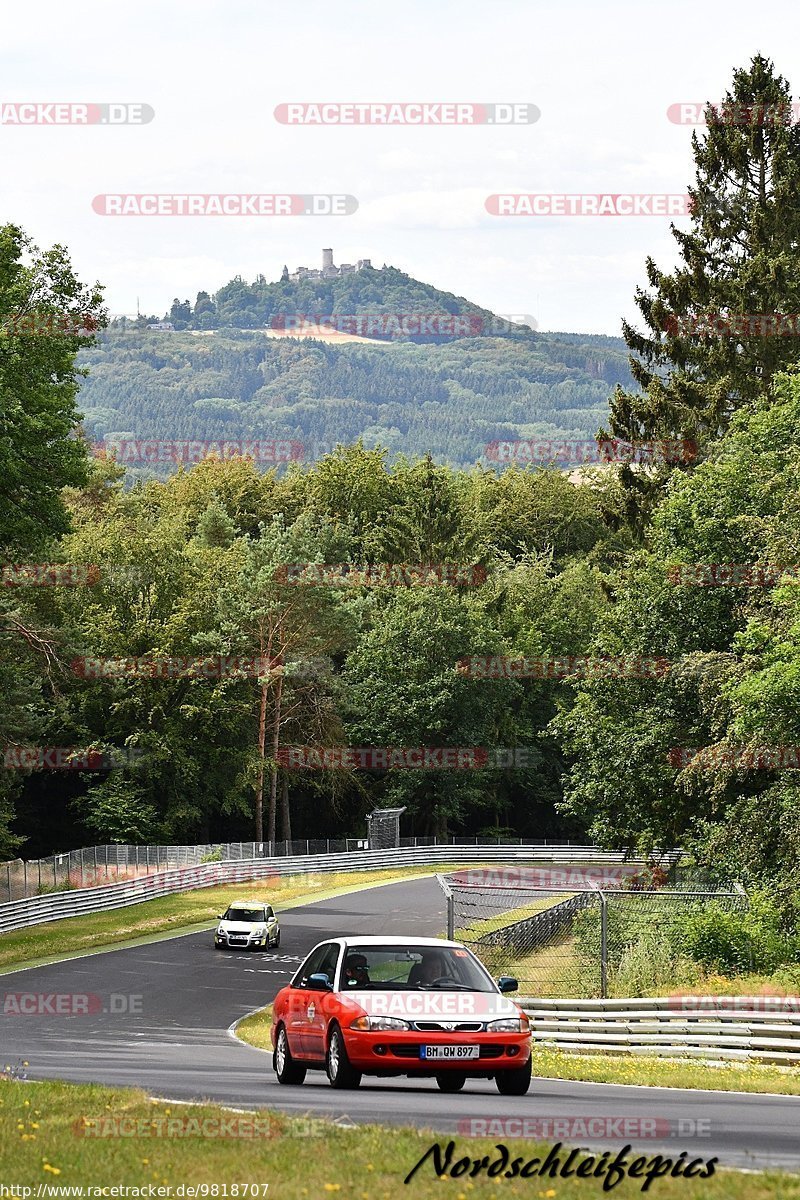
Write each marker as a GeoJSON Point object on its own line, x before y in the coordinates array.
{"type": "Point", "coordinates": [313, 1036]}
{"type": "Point", "coordinates": [298, 1000]}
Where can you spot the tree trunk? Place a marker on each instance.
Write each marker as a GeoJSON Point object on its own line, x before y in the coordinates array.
{"type": "Point", "coordinates": [276, 737]}
{"type": "Point", "coordinates": [286, 816]}
{"type": "Point", "coordinates": [262, 737]}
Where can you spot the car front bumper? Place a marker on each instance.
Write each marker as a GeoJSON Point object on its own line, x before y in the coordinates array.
{"type": "Point", "coordinates": [398, 1051]}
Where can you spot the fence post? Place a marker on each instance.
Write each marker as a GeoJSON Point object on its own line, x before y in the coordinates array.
{"type": "Point", "coordinates": [25, 879]}
{"type": "Point", "coordinates": [603, 946]}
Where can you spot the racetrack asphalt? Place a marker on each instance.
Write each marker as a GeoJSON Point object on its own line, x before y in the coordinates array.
{"type": "Point", "coordinates": [161, 1016]}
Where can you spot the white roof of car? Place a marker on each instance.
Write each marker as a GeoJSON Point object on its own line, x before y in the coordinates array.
{"type": "Point", "coordinates": [248, 904]}
{"type": "Point", "coordinates": [408, 940]}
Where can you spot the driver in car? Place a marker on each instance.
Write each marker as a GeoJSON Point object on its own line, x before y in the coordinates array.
{"type": "Point", "coordinates": [428, 970]}
{"type": "Point", "coordinates": [356, 973]}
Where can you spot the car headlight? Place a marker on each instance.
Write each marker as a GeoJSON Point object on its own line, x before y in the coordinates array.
{"type": "Point", "coordinates": [260, 931]}
{"type": "Point", "coordinates": [509, 1025]}
{"type": "Point", "coordinates": [371, 1024]}
{"type": "Point", "coordinates": [220, 931]}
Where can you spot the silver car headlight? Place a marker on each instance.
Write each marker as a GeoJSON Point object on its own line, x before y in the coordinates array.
{"type": "Point", "coordinates": [260, 931]}
{"type": "Point", "coordinates": [509, 1025]}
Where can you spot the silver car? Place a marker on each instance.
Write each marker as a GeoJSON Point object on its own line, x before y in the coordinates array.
{"type": "Point", "coordinates": [248, 925]}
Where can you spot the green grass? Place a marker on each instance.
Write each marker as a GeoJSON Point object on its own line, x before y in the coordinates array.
{"type": "Point", "coordinates": [49, 1135]}
{"type": "Point", "coordinates": [185, 912]}
{"type": "Point", "coordinates": [650, 1071]}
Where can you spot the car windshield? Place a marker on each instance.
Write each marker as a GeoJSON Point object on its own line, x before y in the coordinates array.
{"type": "Point", "coordinates": [420, 968]}
{"type": "Point", "coordinates": [244, 914]}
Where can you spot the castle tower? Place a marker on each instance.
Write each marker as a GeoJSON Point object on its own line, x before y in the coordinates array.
{"type": "Point", "coordinates": [285, 274]}
{"type": "Point", "coordinates": [327, 259]}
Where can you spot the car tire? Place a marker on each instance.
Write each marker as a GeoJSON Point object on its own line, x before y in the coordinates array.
{"type": "Point", "coordinates": [277, 941]}
{"type": "Point", "coordinates": [452, 1081]}
{"type": "Point", "coordinates": [514, 1082]}
{"type": "Point", "coordinates": [284, 1066]}
{"type": "Point", "coordinates": [341, 1073]}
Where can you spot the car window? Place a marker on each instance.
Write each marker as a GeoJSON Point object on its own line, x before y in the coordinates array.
{"type": "Point", "coordinates": [240, 913]}
{"type": "Point", "coordinates": [315, 963]}
{"type": "Point", "coordinates": [270, 913]}
{"type": "Point", "coordinates": [413, 967]}
{"type": "Point", "coordinates": [328, 964]}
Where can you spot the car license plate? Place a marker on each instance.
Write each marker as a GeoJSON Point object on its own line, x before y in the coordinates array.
{"type": "Point", "coordinates": [449, 1051]}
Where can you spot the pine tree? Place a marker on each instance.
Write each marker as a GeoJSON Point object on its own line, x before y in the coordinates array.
{"type": "Point", "coordinates": [696, 364]}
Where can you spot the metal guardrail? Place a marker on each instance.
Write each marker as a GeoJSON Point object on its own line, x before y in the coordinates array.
{"type": "Point", "coordinates": [539, 929]}
{"type": "Point", "coordinates": [57, 906]}
{"type": "Point", "coordinates": [96, 866]}
{"type": "Point", "coordinates": [741, 1028]}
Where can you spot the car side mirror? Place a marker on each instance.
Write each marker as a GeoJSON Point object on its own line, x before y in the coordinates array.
{"type": "Point", "coordinates": [318, 982]}
{"type": "Point", "coordinates": [220, 916]}
{"type": "Point", "coordinates": [507, 983]}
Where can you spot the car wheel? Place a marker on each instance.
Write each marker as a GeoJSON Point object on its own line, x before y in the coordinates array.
{"type": "Point", "coordinates": [287, 1070]}
{"type": "Point", "coordinates": [277, 941]}
{"type": "Point", "coordinates": [453, 1081]}
{"type": "Point", "coordinates": [341, 1073]}
{"type": "Point", "coordinates": [514, 1082]}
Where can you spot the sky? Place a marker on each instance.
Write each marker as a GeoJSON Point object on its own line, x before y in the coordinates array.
{"type": "Point", "coordinates": [602, 76]}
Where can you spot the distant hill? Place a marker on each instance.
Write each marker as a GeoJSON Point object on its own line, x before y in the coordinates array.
{"type": "Point", "coordinates": [443, 376]}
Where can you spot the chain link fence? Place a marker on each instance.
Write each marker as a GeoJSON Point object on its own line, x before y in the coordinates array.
{"type": "Point", "coordinates": [97, 866]}
{"type": "Point", "coordinates": [601, 933]}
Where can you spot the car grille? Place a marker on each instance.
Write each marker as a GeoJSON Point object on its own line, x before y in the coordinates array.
{"type": "Point", "coordinates": [411, 1050]}
{"type": "Point", "coordinates": [440, 1027]}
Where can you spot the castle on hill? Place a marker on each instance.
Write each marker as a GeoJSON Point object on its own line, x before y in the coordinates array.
{"type": "Point", "coordinates": [329, 271]}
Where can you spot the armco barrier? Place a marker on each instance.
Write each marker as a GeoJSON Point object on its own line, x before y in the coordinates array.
{"type": "Point", "coordinates": [537, 930]}
{"type": "Point", "coordinates": [57, 906]}
{"type": "Point", "coordinates": [719, 1028]}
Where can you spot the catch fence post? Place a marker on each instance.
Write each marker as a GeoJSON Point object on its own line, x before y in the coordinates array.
{"type": "Point", "coordinates": [603, 946]}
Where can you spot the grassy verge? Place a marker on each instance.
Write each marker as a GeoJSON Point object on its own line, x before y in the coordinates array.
{"type": "Point", "coordinates": [183, 912]}
{"type": "Point", "coordinates": [654, 1072]}
{"type": "Point", "coordinates": [255, 1029]}
{"type": "Point", "coordinates": [59, 1134]}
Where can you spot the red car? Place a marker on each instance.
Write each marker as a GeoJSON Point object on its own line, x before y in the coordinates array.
{"type": "Point", "coordinates": [420, 1007]}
